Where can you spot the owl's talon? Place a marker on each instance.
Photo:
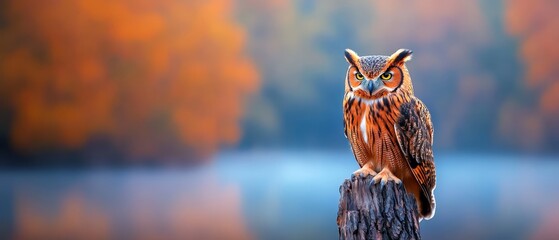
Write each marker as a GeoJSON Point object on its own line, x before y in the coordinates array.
{"type": "Point", "coordinates": [364, 171]}
{"type": "Point", "coordinates": [384, 176]}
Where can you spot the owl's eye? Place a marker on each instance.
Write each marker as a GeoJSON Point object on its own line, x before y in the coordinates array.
{"type": "Point", "coordinates": [386, 76]}
{"type": "Point", "coordinates": [359, 76]}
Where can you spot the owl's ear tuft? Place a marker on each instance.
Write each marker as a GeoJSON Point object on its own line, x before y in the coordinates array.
{"type": "Point", "coordinates": [351, 57]}
{"type": "Point", "coordinates": [400, 57]}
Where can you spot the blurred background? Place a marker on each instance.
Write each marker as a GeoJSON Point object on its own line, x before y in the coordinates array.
{"type": "Point", "coordinates": [222, 119]}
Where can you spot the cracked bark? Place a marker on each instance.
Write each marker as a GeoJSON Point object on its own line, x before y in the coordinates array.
{"type": "Point", "coordinates": [373, 211]}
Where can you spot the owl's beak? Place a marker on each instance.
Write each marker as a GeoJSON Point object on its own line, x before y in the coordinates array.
{"type": "Point", "coordinates": [373, 85]}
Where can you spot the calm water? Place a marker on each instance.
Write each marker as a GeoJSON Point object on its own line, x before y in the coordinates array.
{"type": "Point", "coordinates": [271, 195]}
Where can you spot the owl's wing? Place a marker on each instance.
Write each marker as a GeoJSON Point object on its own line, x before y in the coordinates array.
{"type": "Point", "coordinates": [414, 132]}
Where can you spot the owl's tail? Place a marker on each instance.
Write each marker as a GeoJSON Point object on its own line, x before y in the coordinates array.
{"type": "Point", "coordinates": [427, 206]}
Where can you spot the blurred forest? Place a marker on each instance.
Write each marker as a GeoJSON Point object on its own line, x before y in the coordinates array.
{"type": "Point", "coordinates": [133, 80]}
{"type": "Point", "coordinates": [485, 69]}
{"type": "Point", "coordinates": [175, 81]}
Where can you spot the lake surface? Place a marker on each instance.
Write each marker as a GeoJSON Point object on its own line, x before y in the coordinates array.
{"type": "Point", "coordinates": [271, 195]}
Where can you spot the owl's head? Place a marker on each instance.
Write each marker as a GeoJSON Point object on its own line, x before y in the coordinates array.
{"type": "Point", "coordinates": [373, 77]}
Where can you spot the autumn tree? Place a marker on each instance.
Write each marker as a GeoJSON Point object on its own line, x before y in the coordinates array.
{"type": "Point", "coordinates": [535, 25]}
{"type": "Point", "coordinates": [151, 79]}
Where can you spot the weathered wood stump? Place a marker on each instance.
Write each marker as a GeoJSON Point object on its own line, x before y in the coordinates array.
{"type": "Point", "coordinates": [376, 211]}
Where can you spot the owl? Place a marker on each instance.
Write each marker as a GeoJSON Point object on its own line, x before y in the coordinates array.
{"type": "Point", "coordinates": [388, 128]}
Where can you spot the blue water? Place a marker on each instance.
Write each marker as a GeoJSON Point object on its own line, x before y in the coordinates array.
{"type": "Point", "coordinates": [271, 195]}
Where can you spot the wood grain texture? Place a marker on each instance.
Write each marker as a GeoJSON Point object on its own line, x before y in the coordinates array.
{"type": "Point", "coordinates": [375, 211]}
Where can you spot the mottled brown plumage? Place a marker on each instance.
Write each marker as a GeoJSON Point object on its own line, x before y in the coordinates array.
{"type": "Point", "coordinates": [388, 128]}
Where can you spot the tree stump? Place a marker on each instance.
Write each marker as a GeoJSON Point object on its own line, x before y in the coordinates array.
{"type": "Point", "coordinates": [376, 211]}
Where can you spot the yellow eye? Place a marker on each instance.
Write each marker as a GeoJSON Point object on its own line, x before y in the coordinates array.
{"type": "Point", "coordinates": [359, 76]}
{"type": "Point", "coordinates": [386, 76]}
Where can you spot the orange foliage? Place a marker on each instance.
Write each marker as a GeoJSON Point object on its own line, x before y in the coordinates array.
{"type": "Point", "coordinates": [536, 26]}
{"type": "Point", "coordinates": [154, 77]}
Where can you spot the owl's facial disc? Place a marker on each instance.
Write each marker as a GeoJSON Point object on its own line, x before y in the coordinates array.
{"type": "Point", "coordinates": [376, 76]}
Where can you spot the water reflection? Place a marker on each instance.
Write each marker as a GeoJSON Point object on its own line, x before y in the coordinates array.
{"type": "Point", "coordinates": [547, 225]}
{"type": "Point", "coordinates": [72, 217]}
{"type": "Point", "coordinates": [270, 195]}
{"type": "Point", "coordinates": [136, 205]}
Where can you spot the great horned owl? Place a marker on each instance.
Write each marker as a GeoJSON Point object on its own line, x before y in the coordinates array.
{"type": "Point", "coordinates": [388, 128]}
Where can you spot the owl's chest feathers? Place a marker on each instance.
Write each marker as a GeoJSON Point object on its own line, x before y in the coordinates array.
{"type": "Point", "coordinates": [372, 132]}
